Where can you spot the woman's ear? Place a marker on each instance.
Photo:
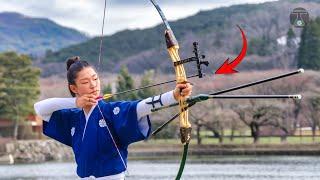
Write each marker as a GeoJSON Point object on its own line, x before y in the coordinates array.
{"type": "Point", "coordinates": [73, 88]}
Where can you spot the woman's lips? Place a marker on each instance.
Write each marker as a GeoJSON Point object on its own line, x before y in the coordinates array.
{"type": "Point", "coordinates": [95, 92]}
{"type": "Point", "coordinates": [99, 97]}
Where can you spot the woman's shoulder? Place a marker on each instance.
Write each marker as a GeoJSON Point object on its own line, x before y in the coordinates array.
{"type": "Point", "coordinates": [71, 110]}
{"type": "Point", "coordinates": [108, 106]}
{"type": "Point", "coordinates": [113, 108]}
{"type": "Point", "coordinates": [105, 104]}
{"type": "Point", "coordinates": [112, 104]}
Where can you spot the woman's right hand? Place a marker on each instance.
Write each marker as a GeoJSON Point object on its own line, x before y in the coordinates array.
{"type": "Point", "coordinates": [86, 100]}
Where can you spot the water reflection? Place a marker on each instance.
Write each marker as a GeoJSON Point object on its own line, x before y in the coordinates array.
{"type": "Point", "coordinates": [198, 168]}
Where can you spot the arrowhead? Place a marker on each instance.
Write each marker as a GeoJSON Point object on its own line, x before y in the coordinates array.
{"type": "Point", "coordinates": [226, 68]}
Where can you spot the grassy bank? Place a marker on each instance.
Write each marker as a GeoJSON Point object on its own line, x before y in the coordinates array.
{"type": "Point", "coordinates": [268, 146]}
{"type": "Point", "coordinates": [242, 140]}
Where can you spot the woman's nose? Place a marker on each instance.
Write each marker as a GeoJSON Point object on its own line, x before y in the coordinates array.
{"type": "Point", "coordinates": [93, 84]}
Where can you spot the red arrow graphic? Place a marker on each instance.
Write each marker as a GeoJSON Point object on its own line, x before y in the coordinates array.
{"type": "Point", "coordinates": [228, 68]}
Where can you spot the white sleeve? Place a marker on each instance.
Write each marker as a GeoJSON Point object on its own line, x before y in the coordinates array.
{"type": "Point", "coordinates": [46, 107]}
{"type": "Point", "coordinates": [144, 108]}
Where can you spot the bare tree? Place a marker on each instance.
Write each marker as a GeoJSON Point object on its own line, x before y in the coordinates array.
{"type": "Point", "coordinates": [216, 127]}
{"type": "Point", "coordinates": [255, 117]}
{"type": "Point", "coordinates": [198, 116]}
{"type": "Point", "coordinates": [313, 105]}
{"type": "Point", "coordinates": [211, 120]}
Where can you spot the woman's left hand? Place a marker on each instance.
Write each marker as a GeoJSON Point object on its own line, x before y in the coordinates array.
{"type": "Point", "coordinates": [182, 90]}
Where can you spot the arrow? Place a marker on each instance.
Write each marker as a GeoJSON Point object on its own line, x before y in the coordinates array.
{"type": "Point", "coordinates": [229, 68]}
{"type": "Point", "coordinates": [230, 90]}
{"type": "Point", "coordinates": [107, 96]}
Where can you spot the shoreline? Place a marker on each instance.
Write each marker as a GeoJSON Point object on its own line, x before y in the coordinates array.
{"type": "Point", "coordinates": [225, 149]}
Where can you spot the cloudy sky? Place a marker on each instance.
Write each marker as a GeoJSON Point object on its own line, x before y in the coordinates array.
{"type": "Point", "coordinates": [86, 15]}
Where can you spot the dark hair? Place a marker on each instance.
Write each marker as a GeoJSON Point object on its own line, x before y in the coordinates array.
{"type": "Point", "coordinates": [74, 65]}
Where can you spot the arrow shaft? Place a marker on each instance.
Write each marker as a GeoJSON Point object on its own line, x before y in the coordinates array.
{"type": "Point", "coordinates": [294, 96]}
{"type": "Point", "coordinates": [229, 90]}
{"type": "Point", "coordinates": [155, 132]}
{"type": "Point", "coordinates": [258, 82]}
{"type": "Point", "coordinates": [222, 91]}
{"type": "Point", "coordinates": [241, 87]}
{"type": "Point", "coordinates": [153, 85]}
{"type": "Point", "coordinates": [195, 99]}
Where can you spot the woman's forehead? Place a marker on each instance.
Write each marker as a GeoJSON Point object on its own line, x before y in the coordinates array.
{"type": "Point", "coordinates": [86, 73]}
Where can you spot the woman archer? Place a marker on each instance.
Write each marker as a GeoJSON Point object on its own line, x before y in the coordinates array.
{"type": "Point", "coordinates": [99, 132]}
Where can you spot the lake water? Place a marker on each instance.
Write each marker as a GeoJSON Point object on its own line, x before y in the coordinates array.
{"type": "Point", "coordinates": [213, 167]}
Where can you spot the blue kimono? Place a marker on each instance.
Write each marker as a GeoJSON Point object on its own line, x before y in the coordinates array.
{"type": "Point", "coordinates": [95, 153]}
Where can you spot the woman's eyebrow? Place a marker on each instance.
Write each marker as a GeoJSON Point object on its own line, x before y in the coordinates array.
{"type": "Point", "coordinates": [86, 78]}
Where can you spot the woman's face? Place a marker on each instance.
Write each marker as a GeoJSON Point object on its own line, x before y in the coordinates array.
{"type": "Point", "coordinates": [87, 82]}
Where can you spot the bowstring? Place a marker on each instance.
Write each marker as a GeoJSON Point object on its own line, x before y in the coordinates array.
{"type": "Point", "coordinates": [99, 63]}
{"type": "Point", "coordinates": [102, 33]}
{"type": "Point", "coordinates": [112, 138]}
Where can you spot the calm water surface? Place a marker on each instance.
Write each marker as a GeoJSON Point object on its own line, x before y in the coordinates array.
{"type": "Point", "coordinates": [217, 168]}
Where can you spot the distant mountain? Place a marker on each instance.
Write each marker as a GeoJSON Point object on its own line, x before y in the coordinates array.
{"type": "Point", "coordinates": [266, 26]}
{"type": "Point", "coordinates": [34, 36]}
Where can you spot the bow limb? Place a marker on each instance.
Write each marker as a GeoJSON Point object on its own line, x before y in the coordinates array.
{"type": "Point", "coordinates": [173, 50]}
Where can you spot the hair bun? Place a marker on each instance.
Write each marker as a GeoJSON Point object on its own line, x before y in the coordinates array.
{"type": "Point", "coordinates": [72, 60]}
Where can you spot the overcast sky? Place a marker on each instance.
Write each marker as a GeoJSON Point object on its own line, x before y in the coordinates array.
{"type": "Point", "coordinates": [86, 15]}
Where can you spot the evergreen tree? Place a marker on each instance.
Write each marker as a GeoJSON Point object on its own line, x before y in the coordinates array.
{"type": "Point", "coordinates": [2, 85]}
{"type": "Point", "coordinates": [20, 88]}
{"type": "Point", "coordinates": [125, 82]}
{"type": "Point", "coordinates": [108, 90]}
{"type": "Point", "coordinates": [260, 46]}
{"type": "Point", "coordinates": [290, 38]}
{"type": "Point", "coordinates": [145, 81]}
{"type": "Point", "coordinates": [309, 50]}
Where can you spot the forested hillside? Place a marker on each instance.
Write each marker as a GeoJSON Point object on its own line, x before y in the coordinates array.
{"type": "Point", "coordinates": [266, 25]}
{"type": "Point", "coordinates": [35, 36]}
